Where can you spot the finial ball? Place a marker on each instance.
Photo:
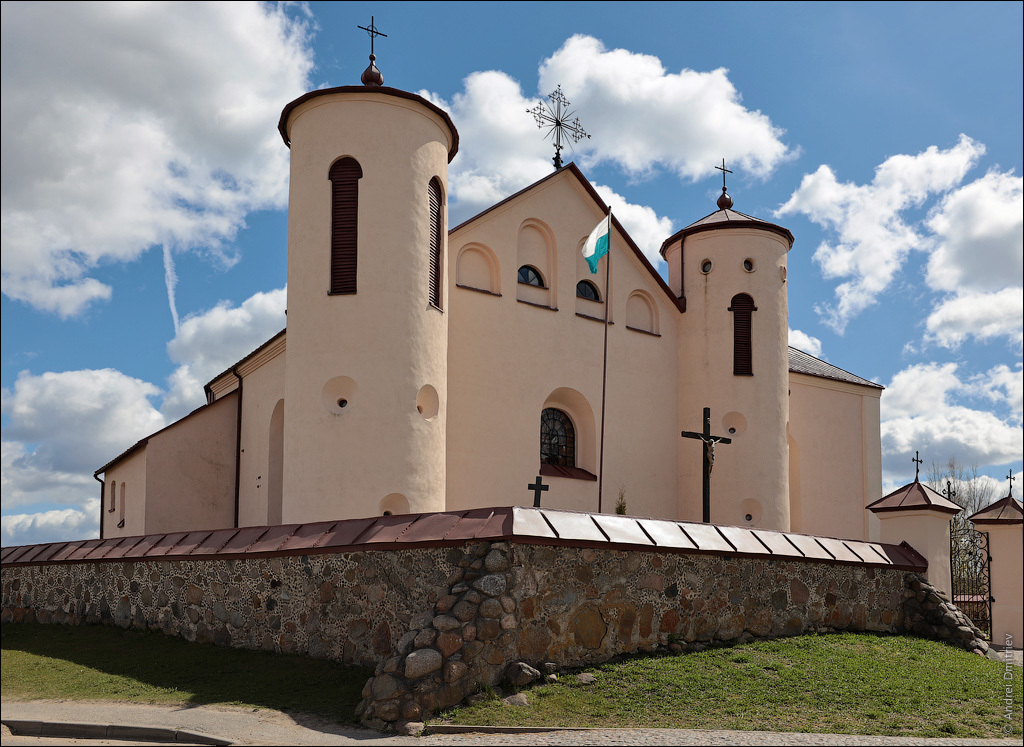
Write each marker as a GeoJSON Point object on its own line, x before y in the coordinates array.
{"type": "Point", "coordinates": [724, 201]}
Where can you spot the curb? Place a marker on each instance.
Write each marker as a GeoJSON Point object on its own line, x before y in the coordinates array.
{"type": "Point", "coordinates": [459, 729]}
{"type": "Point", "coordinates": [66, 730]}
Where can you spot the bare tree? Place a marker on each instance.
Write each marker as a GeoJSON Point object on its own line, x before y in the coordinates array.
{"type": "Point", "coordinates": [967, 490]}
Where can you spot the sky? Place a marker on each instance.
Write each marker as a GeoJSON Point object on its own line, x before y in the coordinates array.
{"type": "Point", "coordinates": [144, 192]}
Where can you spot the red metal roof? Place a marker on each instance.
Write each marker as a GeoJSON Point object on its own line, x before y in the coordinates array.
{"type": "Point", "coordinates": [514, 523]}
{"type": "Point", "coordinates": [1004, 511]}
{"type": "Point", "coordinates": [914, 496]}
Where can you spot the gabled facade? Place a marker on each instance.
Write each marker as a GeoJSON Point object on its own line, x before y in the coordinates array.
{"type": "Point", "coordinates": [426, 369]}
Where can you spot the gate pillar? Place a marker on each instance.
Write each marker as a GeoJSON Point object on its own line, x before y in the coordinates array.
{"type": "Point", "coordinates": [1004, 523]}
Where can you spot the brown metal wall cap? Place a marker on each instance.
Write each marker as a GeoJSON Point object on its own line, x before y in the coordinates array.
{"type": "Point", "coordinates": [914, 497]}
{"type": "Point", "coordinates": [727, 218]}
{"type": "Point", "coordinates": [282, 125]}
{"type": "Point", "coordinates": [1004, 511]}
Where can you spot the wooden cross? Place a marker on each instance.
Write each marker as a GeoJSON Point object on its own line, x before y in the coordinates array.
{"type": "Point", "coordinates": [537, 488]}
{"type": "Point", "coordinates": [709, 458]}
{"type": "Point", "coordinates": [917, 464]}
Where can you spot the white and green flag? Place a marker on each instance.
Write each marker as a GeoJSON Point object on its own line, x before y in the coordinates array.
{"type": "Point", "coordinates": [598, 243]}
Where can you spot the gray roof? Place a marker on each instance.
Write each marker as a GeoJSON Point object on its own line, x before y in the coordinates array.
{"type": "Point", "coordinates": [805, 363]}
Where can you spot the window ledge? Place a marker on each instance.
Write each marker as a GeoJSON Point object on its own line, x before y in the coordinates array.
{"type": "Point", "coordinates": [642, 331]}
{"type": "Point", "coordinates": [477, 290]}
{"type": "Point", "coordinates": [435, 307]}
{"type": "Point", "coordinates": [340, 293]}
{"type": "Point", "coordinates": [573, 473]}
{"type": "Point", "coordinates": [536, 305]}
{"type": "Point", "coordinates": [593, 318]}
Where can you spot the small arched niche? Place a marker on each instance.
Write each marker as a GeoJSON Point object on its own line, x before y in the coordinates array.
{"type": "Point", "coordinates": [535, 248]}
{"type": "Point", "coordinates": [275, 465]}
{"type": "Point", "coordinates": [394, 503]}
{"type": "Point", "coordinates": [641, 313]}
{"type": "Point", "coordinates": [477, 269]}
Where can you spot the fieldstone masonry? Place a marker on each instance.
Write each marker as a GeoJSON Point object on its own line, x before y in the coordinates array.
{"type": "Point", "coordinates": [442, 623]}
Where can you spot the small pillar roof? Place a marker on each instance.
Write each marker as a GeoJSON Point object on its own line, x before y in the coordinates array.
{"type": "Point", "coordinates": [914, 497]}
{"type": "Point", "coordinates": [1004, 511]}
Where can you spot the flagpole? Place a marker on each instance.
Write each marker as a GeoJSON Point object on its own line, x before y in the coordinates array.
{"type": "Point", "coordinates": [604, 368]}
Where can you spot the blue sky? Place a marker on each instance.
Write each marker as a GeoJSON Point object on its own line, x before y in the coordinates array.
{"type": "Point", "coordinates": [145, 189]}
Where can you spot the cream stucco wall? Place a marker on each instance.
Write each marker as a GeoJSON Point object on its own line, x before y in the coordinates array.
{"type": "Point", "coordinates": [1006, 546]}
{"type": "Point", "coordinates": [927, 531]}
{"type": "Point", "coordinates": [130, 476]}
{"type": "Point", "coordinates": [190, 471]}
{"type": "Point", "coordinates": [834, 427]}
{"type": "Point", "coordinates": [377, 348]}
{"type": "Point", "coordinates": [508, 360]}
{"type": "Point", "coordinates": [262, 389]}
{"type": "Point", "coordinates": [751, 475]}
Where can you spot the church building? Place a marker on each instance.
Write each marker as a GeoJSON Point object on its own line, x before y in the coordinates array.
{"type": "Point", "coordinates": [429, 368]}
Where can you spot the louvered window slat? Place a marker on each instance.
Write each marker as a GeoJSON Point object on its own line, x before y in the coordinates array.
{"type": "Point", "coordinates": [434, 279]}
{"type": "Point", "coordinates": [344, 176]}
{"type": "Point", "coordinates": [742, 331]}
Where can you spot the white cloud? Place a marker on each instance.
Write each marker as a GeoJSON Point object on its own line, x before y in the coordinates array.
{"type": "Point", "coordinates": [803, 341]}
{"type": "Point", "coordinates": [643, 117]}
{"type": "Point", "coordinates": [54, 410]}
{"type": "Point", "coordinates": [641, 222]}
{"type": "Point", "coordinates": [873, 237]}
{"type": "Point", "coordinates": [983, 316]}
{"type": "Point", "coordinates": [58, 525]}
{"type": "Point", "coordinates": [980, 228]}
{"type": "Point", "coordinates": [640, 116]}
{"type": "Point", "coordinates": [1002, 386]}
{"type": "Point", "coordinates": [921, 410]}
{"type": "Point", "coordinates": [210, 342]}
{"type": "Point", "coordinates": [103, 158]}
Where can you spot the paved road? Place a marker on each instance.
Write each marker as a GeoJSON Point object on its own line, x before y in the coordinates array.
{"type": "Point", "coordinates": [264, 727]}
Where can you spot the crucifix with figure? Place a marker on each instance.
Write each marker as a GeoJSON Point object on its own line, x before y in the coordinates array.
{"type": "Point", "coordinates": [709, 458]}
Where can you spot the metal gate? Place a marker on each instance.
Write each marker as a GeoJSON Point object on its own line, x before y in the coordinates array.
{"type": "Point", "coordinates": [971, 571]}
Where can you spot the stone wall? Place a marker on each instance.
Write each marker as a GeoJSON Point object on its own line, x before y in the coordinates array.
{"type": "Point", "coordinates": [442, 623]}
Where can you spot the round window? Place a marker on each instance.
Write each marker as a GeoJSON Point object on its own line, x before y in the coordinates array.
{"type": "Point", "coordinates": [705, 266]}
{"type": "Point", "coordinates": [748, 264]}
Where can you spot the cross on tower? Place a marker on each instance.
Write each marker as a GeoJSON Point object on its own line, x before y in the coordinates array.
{"type": "Point", "coordinates": [557, 119]}
{"type": "Point", "coordinates": [537, 488]}
{"type": "Point", "coordinates": [917, 464]}
{"type": "Point", "coordinates": [724, 172]}
{"type": "Point", "coordinates": [709, 458]}
{"type": "Point", "coordinates": [374, 33]}
{"type": "Point", "coordinates": [949, 492]}
{"type": "Point", "coordinates": [1011, 478]}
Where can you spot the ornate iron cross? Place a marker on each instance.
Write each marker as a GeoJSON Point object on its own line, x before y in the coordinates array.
{"type": "Point", "coordinates": [709, 458]}
{"type": "Point", "coordinates": [555, 116]}
{"type": "Point", "coordinates": [373, 32]}
{"type": "Point", "coordinates": [917, 464]}
{"type": "Point", "coordinates": [949, 492]}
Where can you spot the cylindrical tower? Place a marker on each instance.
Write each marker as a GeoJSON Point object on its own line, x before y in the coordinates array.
{"type": "Point", "coordinates": [366, 371]}
{"type": "Point", "coordinates": [734, 358]}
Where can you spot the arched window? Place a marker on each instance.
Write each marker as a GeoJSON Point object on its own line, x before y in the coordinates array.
{"type": "Point", "coordinates": [557, 438]}
{"type": "Point", "coordinates": [121, 515]}
{"type": "Point", "coordinates": [742, 360]}
{"type": "Point", "coordinates": [529, 276]}
{"type": "Point", "coordinates": [434, 191]}
{"type": "Point", "coordinates": [345, 174]}
{"type": "Point", "coordinates": [113, 496]}
{"type": "Point", "coordinates": [586, 289]}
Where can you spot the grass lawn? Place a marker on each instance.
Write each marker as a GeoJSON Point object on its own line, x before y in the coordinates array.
{"type": "Point", "coordinates": [107, 663]}
{"type": "Point", "coordinates": [843, 683]}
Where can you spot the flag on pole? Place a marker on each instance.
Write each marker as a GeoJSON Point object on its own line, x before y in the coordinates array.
{"type": "Point", "coordinates": [597, 243]}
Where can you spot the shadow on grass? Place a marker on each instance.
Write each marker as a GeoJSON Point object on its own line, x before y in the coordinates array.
{"type": "Point", "coordinates": [108, 663]}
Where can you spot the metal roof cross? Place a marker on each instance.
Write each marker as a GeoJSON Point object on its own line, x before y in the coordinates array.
{"type": "Point", "coordinates": [724, 172]}
{"type": "Point", "coordinates": [1011, 478]}
{"type": "Point", "coordinates": [373, 32]}
{"type": "Point", "coordinates": [949, 492]}
{"type": "Point", "coordinates": [555, 116]}
{"type": "Point", "coordinates": [918, 461]}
